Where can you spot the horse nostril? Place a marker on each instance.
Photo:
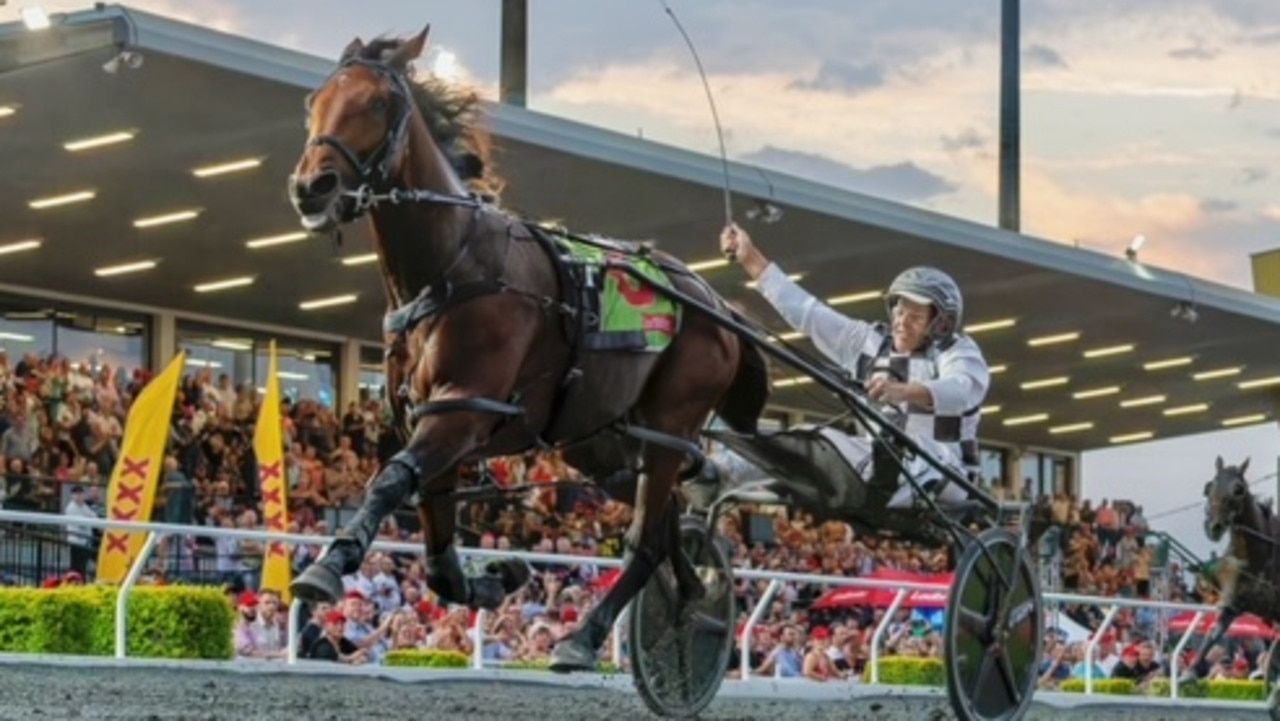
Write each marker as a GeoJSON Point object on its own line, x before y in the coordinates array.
{"type": "Point", "coordinates": [318, 185]}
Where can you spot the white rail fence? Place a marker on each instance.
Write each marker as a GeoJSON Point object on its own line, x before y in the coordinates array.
{"type": "Point", "coordinates": [157, 532]}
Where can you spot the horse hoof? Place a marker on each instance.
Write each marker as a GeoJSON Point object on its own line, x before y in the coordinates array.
{"type": "Point", "coordinates": [512, 572]}
{"type": "Point", "coordinates": [318, 584]}
{"type": "Point", "coordinates": [571, 655]}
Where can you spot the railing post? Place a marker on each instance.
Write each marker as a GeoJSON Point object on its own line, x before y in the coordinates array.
{"type": "Point", "coordinates": [122, 597]}
{"type": "Point", "coordinates": [615, 644]}
{"type": "Point", "coordinates": [1091, 648]}
{"type": "Point", "coordinates": [1176, 661]}
{"type": "Point", "coordinates": [477, 651]}
{"type": "Point", "coordinates": [291, 627]}
{"type": "Point", "coordinates": [874, 661]}
{"type": "Point", "coordinates": [762, 605]}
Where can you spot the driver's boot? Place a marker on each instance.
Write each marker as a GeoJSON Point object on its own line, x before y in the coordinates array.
{"type": "Point", "coordinates": [322, 580]}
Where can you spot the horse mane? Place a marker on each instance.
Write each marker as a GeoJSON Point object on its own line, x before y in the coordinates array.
{"type": "Point", "coordinates": [454, 116]}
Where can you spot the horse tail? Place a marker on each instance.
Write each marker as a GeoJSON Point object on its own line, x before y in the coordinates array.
{"type": "Point", "coordinates": [743, 403]}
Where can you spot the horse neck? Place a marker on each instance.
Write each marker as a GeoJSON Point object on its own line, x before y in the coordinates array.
{"type": "Point", "coordinates": [1256, 548]}
{"type": "Point", "coordinates": [415, 242]}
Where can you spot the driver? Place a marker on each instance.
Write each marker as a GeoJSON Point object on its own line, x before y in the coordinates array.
{"type": "Point", "coordinates": [920, 364]}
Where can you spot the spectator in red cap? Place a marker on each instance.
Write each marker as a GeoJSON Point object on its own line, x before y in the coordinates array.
{"type": "Point", "coordinates": [333, 646]}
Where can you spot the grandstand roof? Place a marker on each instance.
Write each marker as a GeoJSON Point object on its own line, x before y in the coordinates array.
{"type": "Point", "coordinates": [202, 98]}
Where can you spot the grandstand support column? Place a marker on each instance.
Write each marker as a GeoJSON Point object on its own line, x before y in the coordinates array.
{"type": "Point", "coordinates": [349, 373]}
{"type": "Point", "coordinates": [513, 82]}
{"type": "Point", "coordinates": [164, 340]}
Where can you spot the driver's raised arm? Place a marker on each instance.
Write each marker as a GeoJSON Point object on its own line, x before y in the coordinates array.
{"type": "Point", "coordinates": [838, 337]}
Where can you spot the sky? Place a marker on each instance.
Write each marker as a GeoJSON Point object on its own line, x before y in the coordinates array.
{"type": "Point", "coordinates": [1154, 117]}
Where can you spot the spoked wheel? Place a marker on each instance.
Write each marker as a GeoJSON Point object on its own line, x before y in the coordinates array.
{"type": "Point", "coordinates": [680, 650]}
{"type": "Point", "coordinates": [993, 629]}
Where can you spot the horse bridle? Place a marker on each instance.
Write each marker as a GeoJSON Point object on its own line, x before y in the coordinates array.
{"type": "Point", "coordinates": [374, 171]}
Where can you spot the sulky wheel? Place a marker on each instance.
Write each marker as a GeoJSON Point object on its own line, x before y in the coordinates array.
{"type": "Point", "coordinates": [993, 629]}
{"type": "Point", "coordinates": [680, 650]}
{"type": "Point", "coordinates": [1272, 680]}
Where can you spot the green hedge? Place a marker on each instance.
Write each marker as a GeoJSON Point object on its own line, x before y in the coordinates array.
{"type": "Point", "coordinates": [909, 671]}
{"type": "Point", "coordinates": [426, 658]}
{"type": "Point", "coordinates": [192, 622]}
{"type": "Point", "coordinates": [605, 667]}
{"type": "Point", "coordinates": [1108, 686]}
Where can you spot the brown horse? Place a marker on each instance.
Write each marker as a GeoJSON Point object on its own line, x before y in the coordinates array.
{"type": "Point", "coordinates": [484, 338]}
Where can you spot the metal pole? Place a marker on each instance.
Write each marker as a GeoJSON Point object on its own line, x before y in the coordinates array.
{"type": "Point", "coordinates": [1010, 116]}
{"type": "Point", "coordinates": [122, 595]}
{"type": "Point", "coordinates": [513, 83]}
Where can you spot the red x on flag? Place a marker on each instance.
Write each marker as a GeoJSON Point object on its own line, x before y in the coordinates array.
{"type": "Point", "coordinates": [277, 549]}
{"type": "Point", "coordinates": [135, 468]}
{"type": "Point", "coordinates": [117, 542]}
{"type": "Point", "coordinates": [268, 471]}
{"type": "Point", "coordinates": [275, 522]}
{"type": "Point", "coordinates": [130, 493]}
{"type": "Point", "coordinates": [272, 496]}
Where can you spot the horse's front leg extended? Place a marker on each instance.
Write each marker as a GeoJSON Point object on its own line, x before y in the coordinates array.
{"type": "Point", "coordinates": [1226, 616]}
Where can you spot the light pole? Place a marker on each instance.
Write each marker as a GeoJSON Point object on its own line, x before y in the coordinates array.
{"type": "Point", "coordinates": [1010, 116]}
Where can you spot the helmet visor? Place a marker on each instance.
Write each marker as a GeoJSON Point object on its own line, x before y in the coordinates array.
{"type": "Point", "coordinates": [914, 297]}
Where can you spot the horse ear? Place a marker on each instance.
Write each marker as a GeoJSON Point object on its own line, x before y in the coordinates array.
{"type": "Point", "coordinates": [411, 49]}
{"type": "Point", "coordinates": [352, 48]}
{"type": "Point", "coordinates": [1219, 464]}
{"type": "Point", "coordinates": [1244, 466]}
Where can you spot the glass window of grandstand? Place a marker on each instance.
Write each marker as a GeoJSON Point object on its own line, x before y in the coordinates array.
{"type": "Point", "coordinates": [34, 330]}
{"type": "Point", "coordinates": [373, 376]}
{"type": "Point", "coordinates": [993, 469]}
{"type": "Point", "coordinates": [307, 370]}
{"type": "Point", "coordinates": [1047, 474]}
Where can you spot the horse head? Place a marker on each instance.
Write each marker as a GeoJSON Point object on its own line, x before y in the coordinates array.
{"type": "Point", "coordinates": [1227, 498]}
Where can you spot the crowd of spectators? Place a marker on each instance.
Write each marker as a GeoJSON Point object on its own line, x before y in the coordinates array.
{"type": "Point", "coordinates": [60, 433]}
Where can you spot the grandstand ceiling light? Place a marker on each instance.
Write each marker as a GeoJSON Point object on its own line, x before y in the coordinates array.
{"type": "Point", "coordinates": [1244, 420]}
{"type": "Point", "coordinates": [1144, 401]}
{"type": "Point", "coordinates": [1024, 420]}
{"type": "Point", "coordinates": [1046, 383]}
{"type": "Point", "coordinates": [236, 345]}
{"type": "Point", "coordinates": [1258, 383]}
{"type": "Point", "coordinates": [200, 363]}
{"type": "Point", "coordinates": [7, 110]}
{"type": "Point", "coordinates": [98, 141]}
{"type": "Point", "coordinates": [699, 266]}
{"type": "Point", "coordinates": [1096, 392]}
{"type": "Point", "coordinates": [791, 277]}
{"type": "Point", "coordinates": [852, 298]}
{"type": "Point", "coordinates": [274, 240]}
{"type": "Point", "coordinates": [20, 246]}
{"type": "Point", "coordinates": [291, 376]}
{"type": "Point", "coordinates": [990, 325]}
{"type": "Point", "coordinates": [1168, 363]}
{"type": "Point", "coordinates": [998, 368]}
{"type": "Point", "coordinates": [792, 381]}
{"type": "Point", "coordinates": [360, 259]}
{"type": "Point", "coordinates": [1109, 351]}
{"type": "Point", "coordinates": [329, 302]}
{"type": "Point", "coordinates": [1071, 428]}
{"type": "Point", "coordinates": [989, 410]}
{"type": "Point", "coordinates": [1218, 373]}
{"type": "Point", "coordinates": [225, 284]}
{"type": "Point", "coordinates": [1053, 339]}
{"type": "Point", "coordinates": [1187, 410]}
{"type": "Point", "coordinates": [54, 201]}
{"type": "Point", "coordinates": [1132, 437]}
{"type": "Point", "coordinates": [167, 218]}
{"type": "Point", "coordinates": [125, 268]}
{"type": "Point", "coordinates": [233, 166]}
{"type": "Point", "coordinates": [16, 337]}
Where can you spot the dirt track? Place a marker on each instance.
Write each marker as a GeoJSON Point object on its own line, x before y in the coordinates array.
{"type": "Point", "coordinates": [38, 692]}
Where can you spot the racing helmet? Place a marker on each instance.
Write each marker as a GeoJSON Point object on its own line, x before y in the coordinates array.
{"type": "Point", "coordinates": [927, 285]}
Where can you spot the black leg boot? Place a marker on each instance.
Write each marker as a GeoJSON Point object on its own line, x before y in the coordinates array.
{"type": "Point", "coordinates": [502, 578]}
{"type": "Point", "coordinates": [322, 580]}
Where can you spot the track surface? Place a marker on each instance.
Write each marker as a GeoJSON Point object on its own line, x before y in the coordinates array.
{"type": "Point", "coordinates": [150, 694]}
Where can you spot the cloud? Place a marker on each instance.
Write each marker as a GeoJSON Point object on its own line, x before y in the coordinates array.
{"type": "Point", "coordinates": [903, 181]}
{"type": "Point", "coordinates": [1195, 52]}
{"type": "Point", "coordinates": [967, 139]}
{"type": "Point", "coordinates": [1212, 206]}
{"type": "Point", "coordinates": [1252, 174]}
{"type": "Point", "coordinates": [1043, 56]}
{"type": "Point", "coordinates": [844, 77]}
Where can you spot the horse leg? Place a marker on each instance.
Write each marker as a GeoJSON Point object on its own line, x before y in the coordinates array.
{"type": "Point", "coordinates": [1226, 616]}
{"type": "Point", "coordinates": [437, 444]}
{"type": "Point", "coordinates": [437, 511]}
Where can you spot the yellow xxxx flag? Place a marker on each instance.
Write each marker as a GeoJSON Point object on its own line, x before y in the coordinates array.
{"type": "Point", "coordinates": [268, 448]}
{"type": "Point", "coordinates": [136, 475]}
